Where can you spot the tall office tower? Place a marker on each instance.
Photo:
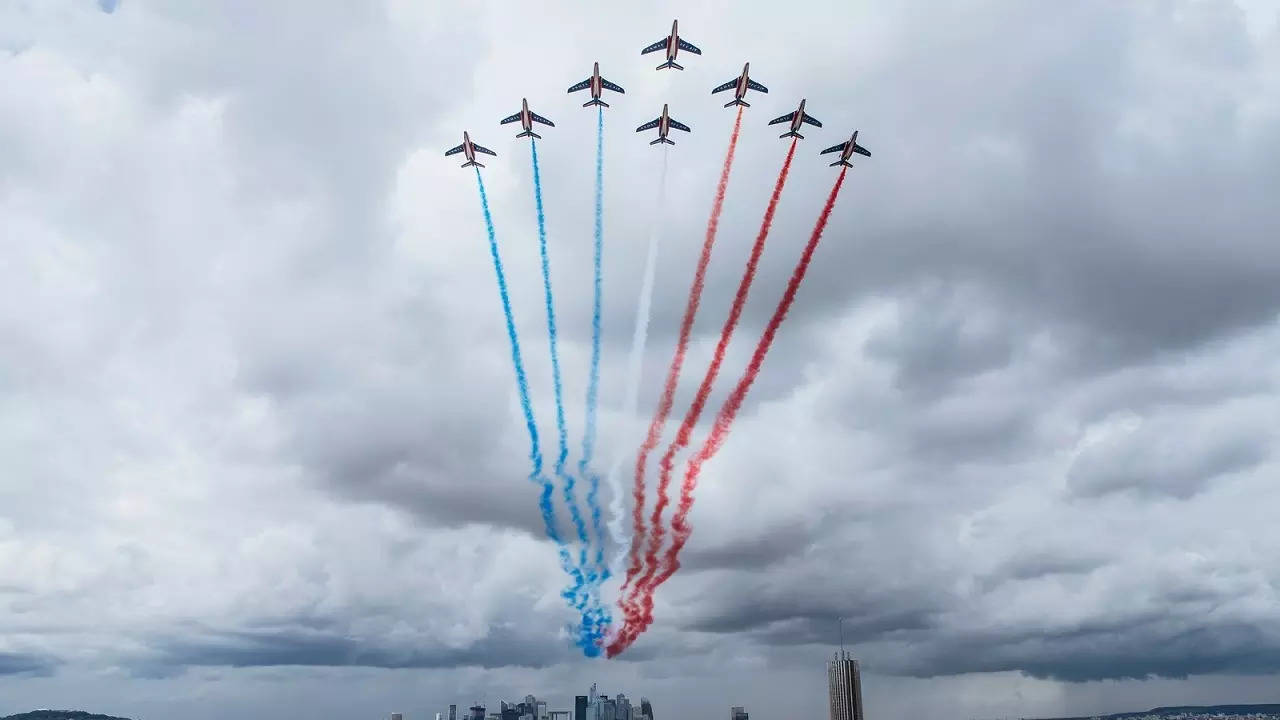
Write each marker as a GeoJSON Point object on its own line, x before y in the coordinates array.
{"type": "Point", "coordinates": [579, 707]}
{"type": "Point", "coordinates": [622, 707]}
{"type": "Point", "coordinates": [439, 716]}
{"type": "Point", "coordinates": [844, 683]}
{"type": "Point", "coordinates": [540, 710]}
{"type": "Point", "coordinates": [477, 712]}
{"type": "Point", "coordinates": [737, 712]}
{"type": "Point", "coordinates": [646, 710]}
{"type": "Point", "coordinates": [453, 712]}
{"type": "Point", "coordinates": [397, 716]}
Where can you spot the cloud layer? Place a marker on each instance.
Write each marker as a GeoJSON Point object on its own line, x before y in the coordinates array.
{"type": "Point", "coordinates": [258, 434]}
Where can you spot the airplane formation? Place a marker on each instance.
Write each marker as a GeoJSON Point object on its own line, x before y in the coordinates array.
{"type": "Point", "coordinates": [672, 44]}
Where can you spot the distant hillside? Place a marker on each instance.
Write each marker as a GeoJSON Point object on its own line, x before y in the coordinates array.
{"type": "Point", "coordinates": [60, 715]}
{"type": "Point", "coordinates": [1184, 710]}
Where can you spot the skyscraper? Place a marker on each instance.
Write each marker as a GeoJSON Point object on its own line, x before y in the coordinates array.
{"type": "Point", "coordinates": [844, 684]}
{"type": "Point", "coordinates": [579, 707]}
{"type": "Point", "coordinates": [737, 712]}
{"type": "Point", "coordinates": [453, 712]}
{"type": "Point", "coordinates": [646, 710]}
{"type": "Point", "coordinates": [397, 716]}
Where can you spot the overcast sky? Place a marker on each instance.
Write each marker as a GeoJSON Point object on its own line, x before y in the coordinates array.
{"type": "Point", "coordinates": [260, 449]}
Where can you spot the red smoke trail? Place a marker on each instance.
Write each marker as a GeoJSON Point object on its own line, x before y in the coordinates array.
{"type": "Point", "coordinates": [720, 430]}
{"type": "Point", "coordinates": [673, 372]}
{"type": "Point", "coordinates": [642, 591]}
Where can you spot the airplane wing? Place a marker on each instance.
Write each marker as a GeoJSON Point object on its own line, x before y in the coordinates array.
{"type": "Point", "coordinates": [511, 119]}
{"type": "Point", "coordinates": [811, 120]}
{"type": "Point", "coordinates": [756, 86]}
{"type": "Point", "coordinates": [677, 124]}
{"type": "Point", "coordinates": [538, 118]}
{"type": "Point", "coordinates": [484, 150]}
{"type": "Point", "coordinates": [660, 45]}
{"type": "Point", "coordinates": [581, 86]}
{"type": "Point", "coordinates": [610, 86]}
{"type": "Point", "coordinates": [649, 125]}
{"type": "Point", "coordinates": [725, 86]}
{"type": "Point", "coordinates": [453, 151]}
{"type": "Point", "coordinates": [861, 150]}
{"type": "Point", "coordinates": [833, 148]}
{"type": "Point", "coordinates": [687, 47]}
{"type": "Point", "coordinates": [784, 118]}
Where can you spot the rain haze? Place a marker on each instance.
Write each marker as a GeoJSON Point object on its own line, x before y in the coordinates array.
{"type": "Point", "coordinates": [261, 452]}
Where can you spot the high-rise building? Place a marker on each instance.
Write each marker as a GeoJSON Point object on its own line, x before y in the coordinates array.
{"type": "Point", "coordinates": [477, 712]}
{"type": "Point", "coordinates": [453, 712]}
{"type": "Point", "coordinates": [844, 683]}
{"type": "Point", "coordinates": [397, 716]}
{"type": "Point", "coordinates": [646, 710]}
{"type": "Point", "coordinates": [439, 716]}
{"type": "Point", "coordinates": [737, 712]}
{"type": "Point", "coordinates": [622, 707]}
{"type": "Point", "coordinates": [579, 707]}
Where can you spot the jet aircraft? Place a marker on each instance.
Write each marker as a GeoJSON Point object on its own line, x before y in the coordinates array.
{"type": "Point", "coordinates": [527, 118]}
{"type": "Point", "coordinates": [664, 123]}
{"type": "Point", "coordinates": [740, 85]}
{"type": "Point", "coordinates": [470, 149]}
{"type": "Point", "coordinates": [796, 118]}
{"type": "Point", "coordinates": [672, 44]}
{"type": "Point", "coordinates": [847, 149]}
{"type": "Point", "coordinates": [597, 85]}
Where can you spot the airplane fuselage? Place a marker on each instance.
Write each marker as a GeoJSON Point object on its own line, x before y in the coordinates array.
{"type": "Point", "coordinates": [664, 123]}
{"type": "Point", "coordinates": [848, 148]}
{"type": "Point", "coordinates": [673, 42]}
{"type": "Point", "coordinates": [526, 117]}
{"type": "Point", "coordinates": [596, 86]}
{"type": "Point", "coordinates": [467, 148]}
{"type": "Point", "coordinates": [741, 90]}
{"type": "Point", "coordinates": [799, 118]}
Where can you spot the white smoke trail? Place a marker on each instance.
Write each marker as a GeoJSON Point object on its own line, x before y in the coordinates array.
{"type": "Point", "coordinates": [617, 520]}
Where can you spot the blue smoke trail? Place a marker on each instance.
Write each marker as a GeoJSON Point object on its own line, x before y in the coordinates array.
{"type": "Point", "coordinates": [577, 594]}
{"type": "Point", "coordinates": [601, 571]}
{"type": "Point", "coordinates": [522, 384]}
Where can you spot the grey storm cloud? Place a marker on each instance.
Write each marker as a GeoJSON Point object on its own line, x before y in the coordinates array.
{"type": "Point", "coordinates": [297, 647]}
{"type": "Point", "coordinates": [258, 422]}
{"type": "Point", "coordinates": [26, 664]}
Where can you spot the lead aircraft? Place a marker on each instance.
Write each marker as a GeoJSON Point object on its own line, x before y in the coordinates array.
{"type": "Point", "coordinates": [672, 44]}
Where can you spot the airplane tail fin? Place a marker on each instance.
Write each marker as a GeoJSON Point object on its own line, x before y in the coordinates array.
{"type": "Point", "coordinates": [663, 140]}
{"type": "Point", "coordinates": [845, 163]}
{"type": "Point", "coordinates": [595, 101]}
{"type": "Point", "coordinates": [735, 101]}
{"type": "Point", "coordinates": [792, 133]}
{"type": "Point", "coordinates": [669, 64]}
{"type": "Point", "coordinates": [529, 133]}
{"type": "Point", "coordinates": [473, 163]}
